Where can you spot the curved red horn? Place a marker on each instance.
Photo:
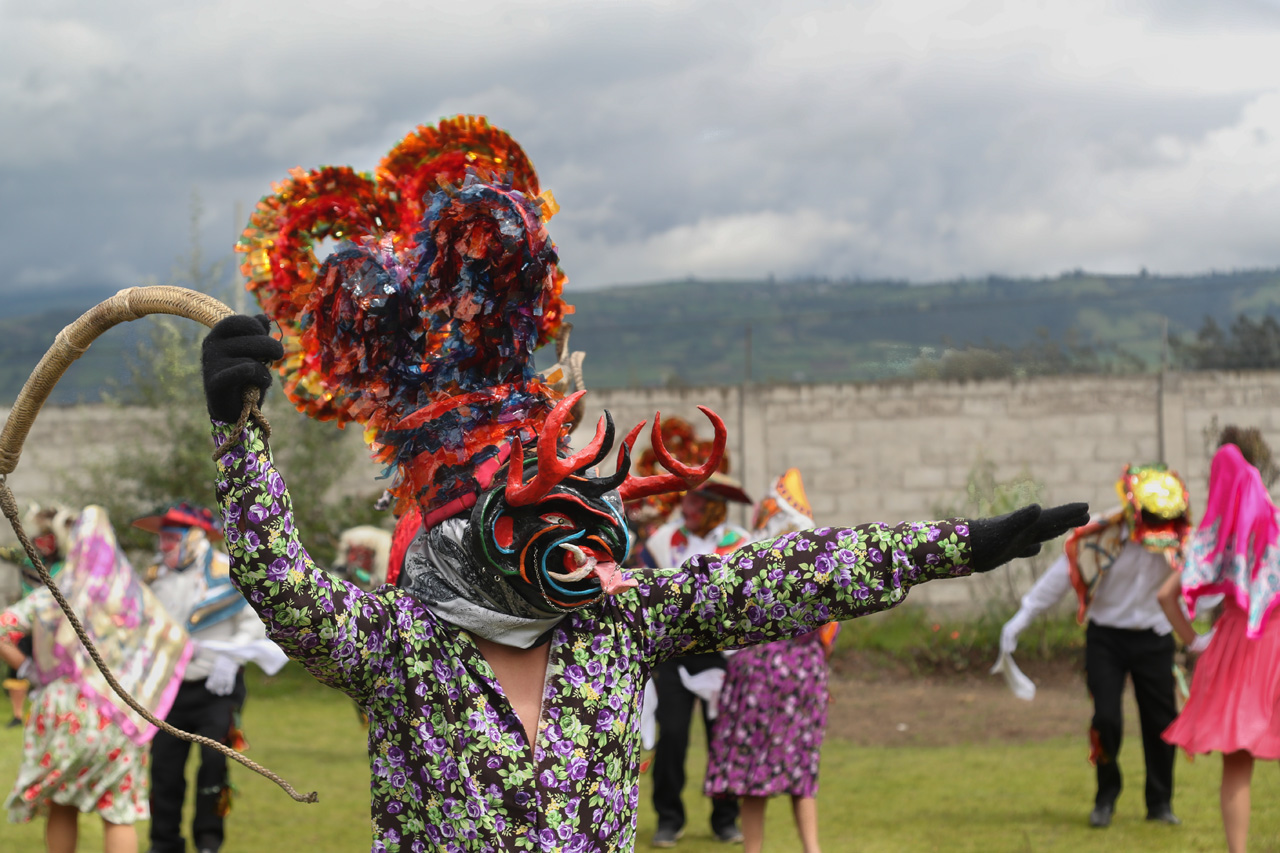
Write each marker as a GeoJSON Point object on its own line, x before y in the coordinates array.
{"type": "Point", "coordinates": [682, 477]}
{"type": "Point", "coordinates": [551, 468]}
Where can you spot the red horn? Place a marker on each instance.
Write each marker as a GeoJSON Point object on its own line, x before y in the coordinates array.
{"type": "Point", "coordinates": [682, 477]}
{"type": "Point", "coordinates": [551, 468]}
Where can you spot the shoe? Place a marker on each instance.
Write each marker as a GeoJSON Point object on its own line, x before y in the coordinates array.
{"type": "Point", "coordinates": [729, 835]}
{"type": "Point", "coordinates": [666, 837]}
{"type": "Point", "coordinates": [1164, 814]}
{"type": "Point", "coordinates": [1100, 817]}
{"type": "Point", "coordinates": [15, 723]}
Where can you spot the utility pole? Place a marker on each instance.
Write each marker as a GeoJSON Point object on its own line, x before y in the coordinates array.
{"type": "Point", "coordinates": [1160, 380]}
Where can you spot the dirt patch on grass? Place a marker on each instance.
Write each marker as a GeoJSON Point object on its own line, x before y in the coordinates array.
{"type": "Point", "coordinates": [874, 704]}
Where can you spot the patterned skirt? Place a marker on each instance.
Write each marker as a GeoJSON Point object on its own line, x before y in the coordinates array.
{"type": "Point", "coordinates": [773, 713]}
{"type": "Point", "coordinates": [74, 756]}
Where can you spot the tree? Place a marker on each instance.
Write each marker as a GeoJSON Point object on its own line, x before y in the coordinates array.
{"type": "Point", "coordinates": [1247, 345]}
{"type": "Point", "coordinates": [170, 456]}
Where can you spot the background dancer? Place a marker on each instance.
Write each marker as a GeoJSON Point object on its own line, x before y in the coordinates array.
{"type": "Point", "coordinates": [50, 529]}
{"type": "Point", "coordinates": [1234, 703]}
{"type": "Point", "coordinates": [83, 752]}
{"type": "Point", "coordinates": [767, 739]}
{"type": "Point", "coordinates": [193, 582]}
{"type": "Point", "coordinates": [1117, 564]}
{"type": "Point", "coordinates": [701, 527]}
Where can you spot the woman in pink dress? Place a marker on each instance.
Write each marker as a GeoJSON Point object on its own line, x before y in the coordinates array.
{"type": "Point", "coordinates": [83, 749]}
{"type": "Point", "coordinates": [1234, 705]}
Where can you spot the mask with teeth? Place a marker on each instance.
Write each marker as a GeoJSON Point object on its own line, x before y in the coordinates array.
{"type": "Point", "coordinates": [555, 530]}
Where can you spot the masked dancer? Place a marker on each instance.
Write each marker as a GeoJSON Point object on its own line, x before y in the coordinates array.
{"type": "Point", "coordinates": [503, 676]}
{"type": "Point", "coordinates": [192, 580]}
{"type": "Point", "coordinates": [1116, 565]}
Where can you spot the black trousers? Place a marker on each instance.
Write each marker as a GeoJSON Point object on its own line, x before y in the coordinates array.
{"type": "Point", "coordinates": [675, 714]}
{"type": "Point", "coordinates": [198, 711]}
{"type": "Point", "coordinates": [1146, 657]}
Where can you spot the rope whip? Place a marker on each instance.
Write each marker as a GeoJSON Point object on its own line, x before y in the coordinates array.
{"type": "Point", "coordinates": [70, 343]}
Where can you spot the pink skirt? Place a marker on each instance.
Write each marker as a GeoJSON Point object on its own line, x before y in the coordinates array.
{"type": "Point", "coordinates": [1235, 693]}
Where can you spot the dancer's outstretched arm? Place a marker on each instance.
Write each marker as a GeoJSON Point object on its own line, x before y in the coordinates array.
{"type": "Point", "coordinates": [795, 583]}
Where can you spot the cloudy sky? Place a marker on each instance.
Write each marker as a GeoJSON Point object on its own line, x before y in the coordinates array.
{"type": "Point", "coordinates": [918, 139]}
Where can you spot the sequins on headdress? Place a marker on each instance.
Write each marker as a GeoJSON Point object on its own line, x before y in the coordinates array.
{"type": "Point", "coordinates": [422, 324]}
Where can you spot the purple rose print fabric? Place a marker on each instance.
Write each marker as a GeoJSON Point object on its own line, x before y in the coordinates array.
{"type": "Point", "coordinates": [450, 766]}
{"type": "Point", "coordinates": [773, 714]}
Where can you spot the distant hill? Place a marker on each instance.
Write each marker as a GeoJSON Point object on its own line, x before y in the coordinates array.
{"type": "Point", "coordinates": [696, 332]}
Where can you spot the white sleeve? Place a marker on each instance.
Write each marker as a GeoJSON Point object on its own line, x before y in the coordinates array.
{"type": "Point", "coordinates": [248, 627]}
{"type": "Point", "coordinates": [1047, 591]}
{"type": "Point", "coordinates": [659, 545]}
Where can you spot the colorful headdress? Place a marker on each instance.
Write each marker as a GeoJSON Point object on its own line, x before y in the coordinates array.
{"type": "Point", "coordinates": [680, 442]}
{"type": "Point", "coordinates": [785, 509]}
{"type": "Point", "coordinates": [423, 322]}
{"type": "Point", "coordinates": [1156, 505]}
{"type": "Point", "coordinates": [184, 514]}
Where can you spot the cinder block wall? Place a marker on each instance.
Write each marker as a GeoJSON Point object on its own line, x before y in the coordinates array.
{"type": "Point", "coordinates": [876, 452]}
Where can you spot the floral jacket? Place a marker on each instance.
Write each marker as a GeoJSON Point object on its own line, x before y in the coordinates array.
{"type": "Point", "coordinates": [451, 767]}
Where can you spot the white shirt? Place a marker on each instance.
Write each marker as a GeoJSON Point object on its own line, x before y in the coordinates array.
{"type": "Point", "coordinates": [1125, 596]}
{"type": "Point", "coordinates": [179, 593]}
{"type": "Point", "coordinates": [669, 555]}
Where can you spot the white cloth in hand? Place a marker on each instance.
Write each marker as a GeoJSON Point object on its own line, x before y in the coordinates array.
{"type": "Point", "coordinates": [1200, 643]}
{"type": "Point", "coordinates": [222, 678]}
{"type": "Point", "coordinates": [1012, 630]}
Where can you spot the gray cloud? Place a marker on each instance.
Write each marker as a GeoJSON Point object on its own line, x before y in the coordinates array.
{"type": "Point", "coordinates": [905, 139]}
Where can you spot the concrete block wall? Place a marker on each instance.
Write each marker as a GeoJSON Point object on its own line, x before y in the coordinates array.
{"type": "Point", "coordinates": [874, 452]}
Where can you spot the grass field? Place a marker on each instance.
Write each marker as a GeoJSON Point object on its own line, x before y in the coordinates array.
{"type": "Point", "coordinates": [1025, 797]}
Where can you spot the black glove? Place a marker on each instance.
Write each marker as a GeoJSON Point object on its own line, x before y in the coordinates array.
{"type": "Point", "coordinates": [996, 541]}
{"type": "Point", "coordinates": [235, 354]}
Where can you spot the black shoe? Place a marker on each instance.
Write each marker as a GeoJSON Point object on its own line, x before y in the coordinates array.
{"type": "Point", "coordinates": [1164, 814]}
{"type": "Point", "coordinates": [1100, 817]}
{"type": "Point", "coordinates": [15, 723]}
{"type": "Point", "coordinates": [729, 835]}
{"type": "Point", "coordinates": [666, 836]}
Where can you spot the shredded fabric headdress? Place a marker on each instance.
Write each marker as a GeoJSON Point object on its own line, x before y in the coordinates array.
{"type": "Point", "coordinates": [422, 324]}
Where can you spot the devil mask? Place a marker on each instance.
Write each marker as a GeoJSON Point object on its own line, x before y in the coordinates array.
{"type": "Point", "coordinates": [557, 541]}
{"type": "Point", "coordinates": [546, 535]}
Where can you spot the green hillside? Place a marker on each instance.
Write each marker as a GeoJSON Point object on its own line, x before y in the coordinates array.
{"type": "Point", "coordinates": [696, 332]}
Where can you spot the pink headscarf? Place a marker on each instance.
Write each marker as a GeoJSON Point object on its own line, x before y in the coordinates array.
{"type": "Point", "coordinates": [1234, 549]}
{"type": "Point", "coordinates": [146, 650]}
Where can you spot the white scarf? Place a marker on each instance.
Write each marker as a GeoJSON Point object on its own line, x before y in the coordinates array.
{"type": "Point", "coordinates": [443, 575]}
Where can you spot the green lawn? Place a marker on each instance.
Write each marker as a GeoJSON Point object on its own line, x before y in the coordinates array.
{"type": "Point", "coordinates": [1031, 797]}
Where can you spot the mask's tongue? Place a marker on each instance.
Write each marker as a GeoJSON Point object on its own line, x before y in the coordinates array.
{"type": "Point", "coordinates": [580, 563]}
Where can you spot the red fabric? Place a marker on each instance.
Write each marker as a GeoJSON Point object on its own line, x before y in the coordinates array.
{"type": "Point", "coordinates": [406, 529]}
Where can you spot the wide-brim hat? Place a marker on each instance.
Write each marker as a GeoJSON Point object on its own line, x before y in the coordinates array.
{"type": "Point", "coordinates": [182, 514]}
{"type": "Point", "coordinates": [725, 487]}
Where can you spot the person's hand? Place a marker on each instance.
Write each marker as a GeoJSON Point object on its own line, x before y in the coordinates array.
{"type": "Point", "coordinates": [27, 672]}
{"type": "Point", "coordinates": [1200, 643]}
{"type": "Point", "coordinates": [222, 678]}
{"type": "Point", "coordinates": [996, 541]}
{"type": "Point", "coordinates": [1011, 631]}
{"type": "Point", "coordinates": [235, 354]}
